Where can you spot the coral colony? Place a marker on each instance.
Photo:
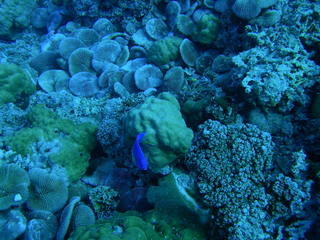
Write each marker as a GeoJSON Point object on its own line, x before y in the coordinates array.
{"type": "Point", "coordinates": [159, 119]}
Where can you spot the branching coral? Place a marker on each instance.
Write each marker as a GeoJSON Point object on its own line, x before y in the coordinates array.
{"type": "Point", "coordinates": [233, 163]}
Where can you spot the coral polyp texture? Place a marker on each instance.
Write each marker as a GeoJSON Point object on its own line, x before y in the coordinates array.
{"type": "Point", "coordinates": [234, 167]}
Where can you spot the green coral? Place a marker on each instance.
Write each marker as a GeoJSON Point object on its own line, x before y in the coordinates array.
{"type": "Point", "coordinates": [123, 226]}
{"type": "Point", "coordinates": [14, 83]}
{"type": "Point", "coordinates": [14, 15]}
{"type": "Point", "coordinates": [104, 200]}
{"type": "Point", "coordinates": [175, 201]}
{"type": "Point", "coordinates": [207, 29]}
{"type": "Point", "coordinates": [134, 226]}
{"type": "Point", "coordinates": [167, 136]}
{"type": "Point", "coordinates": [66, 143]}
{"type": "Point", "coordinates": [175, 198]}
{"type": "Point", "coordinates": [165, 50]}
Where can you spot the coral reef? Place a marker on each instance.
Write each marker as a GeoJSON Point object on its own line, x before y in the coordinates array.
{"type": "Point", "coordinates": [12, 224]}
{"type": "Point", "coordinates": [41, 225]}
{"type": "Point", "coordinates": [180, 120]}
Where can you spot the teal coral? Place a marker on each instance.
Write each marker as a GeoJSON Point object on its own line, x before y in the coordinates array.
{"type": "Point", "coordinates": [15, 83]}
{"type": "Point", "coordinates": [48, 192]}
{"type": "Point", "coordinates": [175, 198]}
{"type": "Point", "coordinates": [64, 142]}
{"type": "Point", "coordinates": [167, 136]}
{"type": "Point", "coordinates": [176, 202]}
{"type": "Point", "coordinates": [14, 183]}
{"type": "Point", "coordinates": [14, 15]}
{"type": "Point", "coordinates": [12, 224]}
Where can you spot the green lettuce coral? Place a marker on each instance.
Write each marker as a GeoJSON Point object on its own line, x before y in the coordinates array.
{"type": "Point", "coordinates": [167, 136]}
{"type": "Point", "coordinates": [60, 140]}
{"type": "Point", "coordinates": [14, 83]}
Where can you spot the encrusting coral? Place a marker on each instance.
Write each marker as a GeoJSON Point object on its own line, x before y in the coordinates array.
{"type": "Point", "coordinates": [58, 140]}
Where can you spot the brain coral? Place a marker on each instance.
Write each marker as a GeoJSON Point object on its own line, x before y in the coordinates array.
{"type": "Point", "coordinates": [48, 191]}
{"type": "Point", "coordinates": [14, 183]}
{"type": "Point", "coordinates": [167, 135]}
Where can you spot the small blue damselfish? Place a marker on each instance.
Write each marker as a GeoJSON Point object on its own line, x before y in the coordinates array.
{"type": "Point", "coordinates": [137, 153]}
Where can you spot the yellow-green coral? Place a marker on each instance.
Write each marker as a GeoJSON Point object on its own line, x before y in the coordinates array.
{"type": "Point", "coordinates": [123, 226]}
{"type": "Point", "coordinates": [167, 135]}
{"type": "Point", "coordinates": [68, 144]}
{"type": "Point", "coordinates": [135, 226]}
{"type": "Point", "coordinates": [14, 83]}
{"type": "Point", "coordinates": [165, 50]}
{"type": "Point", "coordinates": [207, 29]}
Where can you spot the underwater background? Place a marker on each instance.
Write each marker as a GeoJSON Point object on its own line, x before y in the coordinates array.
{"type": "Point", "coordinates": [158, 119]}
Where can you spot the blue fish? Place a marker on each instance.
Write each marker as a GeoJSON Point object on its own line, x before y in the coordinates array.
{"type": "Point", "coordinates": [137, 153]}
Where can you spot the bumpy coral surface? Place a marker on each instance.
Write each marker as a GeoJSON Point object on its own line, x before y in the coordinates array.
{"type": "Point", "coordinates": [62, 141]}
{"type": "Point", "coordinates": [14, 15]}
{"type": "Point", "coordinates": [15, 83]}
{"type": "Point", "coordinates": [233, 163]}
{"type": "Point", "coordinates": [167, 135]}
